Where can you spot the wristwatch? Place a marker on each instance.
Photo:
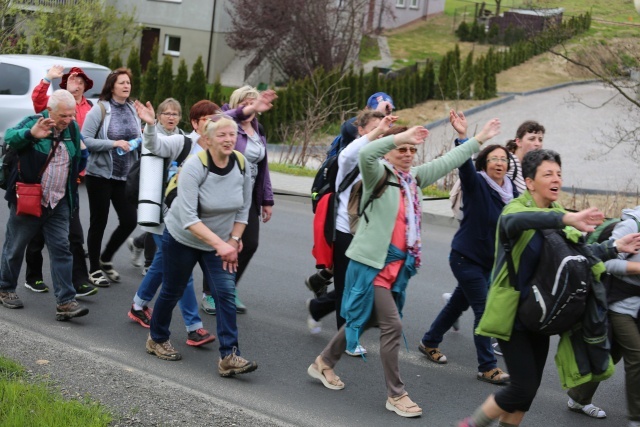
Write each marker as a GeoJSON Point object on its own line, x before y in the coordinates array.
{"type": "Point", "coordinates": [615, 247]}
{"type": "Point", "coordinates": [236, 238]}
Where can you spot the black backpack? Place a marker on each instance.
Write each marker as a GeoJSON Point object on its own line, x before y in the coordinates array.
{"type": "Point", "coordinates": [132, 186]}
{"type": "Point", "coordinates": [560, 284]}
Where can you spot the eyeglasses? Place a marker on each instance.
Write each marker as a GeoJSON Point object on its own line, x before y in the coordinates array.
{"type": "Point", "coordinates": [172, 115]}
{"type": "Point", "coordinates": [498, 160]}
{"type": "Point", "coordinates": [403, 150]}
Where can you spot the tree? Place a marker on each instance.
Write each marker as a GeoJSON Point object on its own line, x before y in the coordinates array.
{"type": "Point", "coordinates": [165, 81]}
{"type": "Point", "coordinates": [133, 64]}
{"type": "Point", "coordinates": [103, 52]}
{"type": "Point", "coordinates": [150, 79]}
{"type": "Point", "coordinates": [298, 36]}
{"type": "Point", "coordinates": [116, 61]}
{"type": "Point", "coordinates": [197, 83]}
{"type": "Point", "coordinates": [88, 52]}
{"type": "Point", "coordinates": [64, 30]}
{"type": "Point", "coordinates": [180, 87]}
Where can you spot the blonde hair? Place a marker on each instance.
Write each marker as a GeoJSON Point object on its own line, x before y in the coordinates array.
{"type": "Point", "coordinates": [218, 121]}
{"type": "Point", "coordinates": [241, 94]}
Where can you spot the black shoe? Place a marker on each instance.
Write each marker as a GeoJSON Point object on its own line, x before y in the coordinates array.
{"type": "Point", "coordinates": [85, 290]}
{"type": "Point", "coordinates": [317, 283]}
{"type": "Point", "coordinates": [37, 286]}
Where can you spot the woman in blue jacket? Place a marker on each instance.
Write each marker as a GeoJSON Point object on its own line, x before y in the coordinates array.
{"type": "Point", "coordinates": [485, 190]}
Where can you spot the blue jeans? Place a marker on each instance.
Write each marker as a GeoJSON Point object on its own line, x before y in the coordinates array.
{"type": "Point", "coordinates": [473, 285]}
{"type": "Point", "coordinates": [176, 275]}
{"type": "Point", "coordinates": [54, 224]}
{"type": "Point", "coordinates": [152, 281]}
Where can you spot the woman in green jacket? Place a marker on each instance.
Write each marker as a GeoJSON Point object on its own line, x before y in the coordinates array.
{"type": "Point", "coordinates": [525, 352]}
{"type": "Point", "coordinates": [386, 251]}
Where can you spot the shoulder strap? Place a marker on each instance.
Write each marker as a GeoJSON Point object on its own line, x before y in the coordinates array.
{"type": "Point", "coordinates": [186, 149]}
{"type": "Point", "coordinates": [348, 180]}
{"type": "Point", "coordinates": [380, 187]}
{"type": "Point", "coordinates": [103, 111]}
{"type": "Point", "coordinates": [240, 159]}
{"type": "Point", "coordinates": [89, 102]}
{"type": "Point", "coordinates": [506, 245]}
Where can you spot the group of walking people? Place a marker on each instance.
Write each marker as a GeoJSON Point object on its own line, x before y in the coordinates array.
{"type": "Point", "coordinates": [224, 192]}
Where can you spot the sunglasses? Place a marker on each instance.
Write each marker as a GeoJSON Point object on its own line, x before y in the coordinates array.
{"type": "Point", "coordinates": [403, 150]}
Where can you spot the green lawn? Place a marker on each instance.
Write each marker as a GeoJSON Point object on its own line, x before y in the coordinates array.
{"type": "Point", "coordinates": [28, 403]}
{"type": "Point", "coordinates": [369, 50]}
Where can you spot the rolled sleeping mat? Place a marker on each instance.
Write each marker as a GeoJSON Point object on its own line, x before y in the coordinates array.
{"type": "Point", "coordinates": [152, 170]}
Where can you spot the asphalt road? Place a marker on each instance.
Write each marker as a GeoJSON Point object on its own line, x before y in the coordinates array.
{"type": "Point", "coordinates": [273, 332]}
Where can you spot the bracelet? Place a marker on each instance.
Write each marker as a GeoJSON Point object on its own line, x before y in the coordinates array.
{"type": "Point", "coordinates": [46, 80]}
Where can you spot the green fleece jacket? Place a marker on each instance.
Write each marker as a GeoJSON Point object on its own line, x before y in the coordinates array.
{"type": "Point", "coordinates": [371, 241]}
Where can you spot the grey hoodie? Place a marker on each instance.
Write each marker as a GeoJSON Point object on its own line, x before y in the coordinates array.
{"type": "Point", "coordinates": [618, 267]}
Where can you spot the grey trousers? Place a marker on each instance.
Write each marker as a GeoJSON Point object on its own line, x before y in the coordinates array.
{"type": "Point", "coordinates": [385, 315]}
{"type": "Point", "coordinates": [626, 345]}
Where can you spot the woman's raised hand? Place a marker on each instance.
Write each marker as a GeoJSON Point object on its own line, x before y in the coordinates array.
{"type": "Point", "coordinates": [489, 130]}
{"type": "Point", "coordinates": [459, 123]}
{"type": "Point", "coordinates": [145, 112]}
{"type": "Point", "coordinates": [414, 135]}
{"type": "Point", "coordinates": [265, 101]}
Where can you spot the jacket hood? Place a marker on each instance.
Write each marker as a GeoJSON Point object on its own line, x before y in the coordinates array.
{"type": "Point", "coordinates": [631, 213]}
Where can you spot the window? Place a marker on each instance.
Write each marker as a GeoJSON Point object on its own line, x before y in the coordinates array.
{"type": "Point", "coordinates": [400, 3]}
{"type": "Point", "coordinates": [413, 4]}
{"type": "Point", "coordinates": [14, 81]}
{"type": "Point", "coordinates": [171, 45]}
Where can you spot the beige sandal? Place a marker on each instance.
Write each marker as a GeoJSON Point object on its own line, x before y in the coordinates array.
{"type": "Point", "coordinates": [403, 406]}
{"type": "Point", "coordinates": [433, 354]}
{"type": "Point", "coordinates": [319, 371]}
{"type": "Point", "coordinates": [494, 376]}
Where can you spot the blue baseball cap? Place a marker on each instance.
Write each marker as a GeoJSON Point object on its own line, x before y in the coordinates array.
{"type": "Point", "coordinates": [377, 98]}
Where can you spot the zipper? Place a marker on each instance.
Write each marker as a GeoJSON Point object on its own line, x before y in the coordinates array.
{"type": "Point", "coordinates": [540, 301]}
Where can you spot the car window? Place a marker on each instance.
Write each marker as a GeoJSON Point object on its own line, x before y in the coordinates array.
{"type": "Point", "coordinates": [98, 76]}
{"type": "Point", "coordinates": [14, 81]}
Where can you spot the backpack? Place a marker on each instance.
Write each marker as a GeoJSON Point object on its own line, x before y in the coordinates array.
{"type": "Point", "coordinates": [334, 148]}
{"type": "Point", "coordinates": [356, 196]}
{"type": "Point", "coordinates": [132, 186]}
{"type": "Point", "coordinates": [325, 179]}
{"type": "Point", "coordinates": [559, 287]}
{"type": "Point", "coordinates": [171, 191]}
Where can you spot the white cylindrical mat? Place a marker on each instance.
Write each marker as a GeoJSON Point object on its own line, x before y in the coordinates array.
{"type": "Point", "coordinates": [152, 170]}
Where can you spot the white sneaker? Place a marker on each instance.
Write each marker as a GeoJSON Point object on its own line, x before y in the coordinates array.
{"type": "Point", "coordinates": [589, 410]}
{"type": "Point", "coordinates": [314, 326]}
{"type": "Point", "coordinates": [136, 253]}
{"type": "Point", "coordinates": [496, 347]}
{"type": "Point", "coordinates": [445, 298]}
{"type": "Point", "coordinates": [359, 351]}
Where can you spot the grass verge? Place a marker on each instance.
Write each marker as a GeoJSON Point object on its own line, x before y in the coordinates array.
{"type": "Point", "coordinates": [28, 403]}
{"type": "Point", "coordinates": [292, 169]}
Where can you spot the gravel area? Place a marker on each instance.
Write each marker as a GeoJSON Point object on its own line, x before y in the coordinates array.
{"type": "Point", "coordinates": [134, 398]}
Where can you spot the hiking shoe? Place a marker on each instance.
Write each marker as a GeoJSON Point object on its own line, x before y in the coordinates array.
{"type": "Point", "coordinates": [359, 351]}
{"type": "Point", "coordinates": [589, 410]}
{"type": "Point", "coordinates": [496, 347]}
{"type": "Point", "coordinates": [164, 350]}
{"type": "Point", "coordinates": [208, 305]}
{"type": "Point", "coordinates": [432, 354]}
{"type": "Point", "coordinates": [37, 286]}
{"type": "Point", "coordinates": [494, 376]}
{"type": "Point", "coordinates": [10, 300]}
{"type": "Point", "coordinates": [240, 307]}
{"type": "Point", "coordinates": [109, 271]}
{"type": "Point", "coordinates": [314, 326]}
{"type": "Point", "coordinates": [199, 337]}
{"type": "Point", "coordinates": [136, 253]}
{"type": "Point", "coordinates": [233, 364]}
{"type": "Point", "coordinates": [70, 310]}
{"type": "Point", "coordinates": [98, 279]}
{"type": "Point", "coordinates": [142, 317]}
{"type": "Point", "coordinates": [445, 298]}
{"type": "Point", "coordinates": [318, 283]}
{"type": "Point", "coordinates": [85, 290]}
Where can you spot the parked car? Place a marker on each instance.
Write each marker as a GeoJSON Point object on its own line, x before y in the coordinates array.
{"type": "Point", "coordinates": [20, 74]}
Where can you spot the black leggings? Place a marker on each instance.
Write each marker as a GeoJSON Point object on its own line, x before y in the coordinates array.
{"type": "Point", "coordinates": [525, 354]}
{"type": "Point", "coordinates": [102, 192]}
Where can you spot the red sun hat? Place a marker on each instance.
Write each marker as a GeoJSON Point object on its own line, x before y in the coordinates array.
{"type": "Point", "coordinates": [88, 83]}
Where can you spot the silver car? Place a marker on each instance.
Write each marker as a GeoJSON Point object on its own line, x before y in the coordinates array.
{"type": "Point", "coordinates": [20, 74]}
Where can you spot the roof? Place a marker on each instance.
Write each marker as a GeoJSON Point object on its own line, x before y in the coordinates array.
{"type": "Point", "coordinates": [35, 60]}
{"type": "Point", "coordinates": [539, 12]}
